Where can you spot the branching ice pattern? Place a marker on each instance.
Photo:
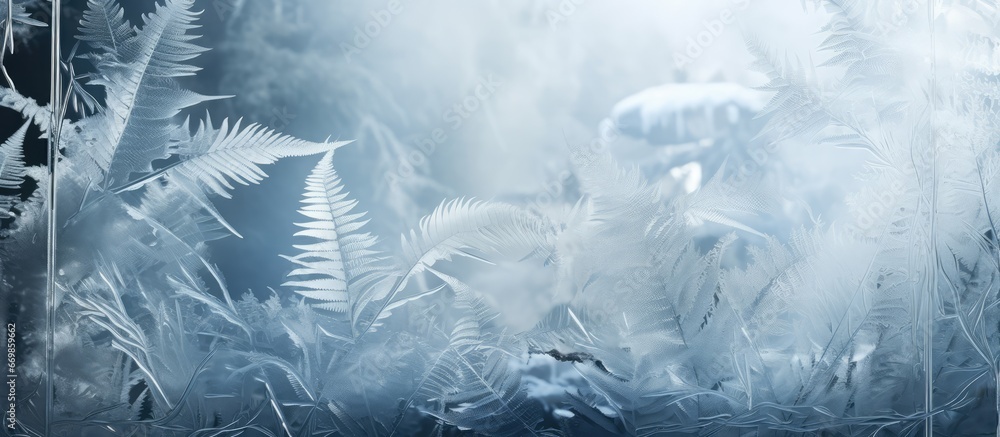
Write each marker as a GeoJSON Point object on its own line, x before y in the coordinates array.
{"type": "Point", "coordinates": [660, 333]}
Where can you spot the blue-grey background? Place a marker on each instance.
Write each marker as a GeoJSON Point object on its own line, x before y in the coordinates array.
{"type": "Point", "coordinates": [389, 75]}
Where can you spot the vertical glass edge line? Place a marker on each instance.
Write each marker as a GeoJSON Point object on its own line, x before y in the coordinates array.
{"type": "Point", "coordinates": [933, 283]}
{"type": "Point", "coordinates": [55, 88]}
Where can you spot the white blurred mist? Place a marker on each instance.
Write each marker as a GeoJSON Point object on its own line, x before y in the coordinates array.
{"type": "Point", "coordinates": [562, 65]}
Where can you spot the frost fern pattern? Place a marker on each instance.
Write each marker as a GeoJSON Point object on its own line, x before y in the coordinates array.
{"type": "Point", "coordinates": [882, 323]}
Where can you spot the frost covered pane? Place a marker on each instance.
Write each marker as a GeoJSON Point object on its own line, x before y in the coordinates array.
{"type": "Point", "coordinates": [716, 217]}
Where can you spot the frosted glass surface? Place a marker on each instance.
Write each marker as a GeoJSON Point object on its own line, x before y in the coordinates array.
{"type": "Point", "coordinates": [525, 217]}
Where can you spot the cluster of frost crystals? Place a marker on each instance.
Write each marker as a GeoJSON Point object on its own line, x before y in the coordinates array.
{"type": "Point", "coordinates": [712, 309]}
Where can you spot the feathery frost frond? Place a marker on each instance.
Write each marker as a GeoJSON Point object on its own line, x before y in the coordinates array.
{"type": "Point", "coordinates": [104, 26]}
{"type": "Point", "coordinates": [28, 107]}
{"type": "Point", "coordinates": [216, 157]}
{"type": "Point", "coordinates": [662, 319]}
{"type": "Point", "coordinates": [12, 168]}
{"type": "Point", "coordinates": [338, 269]}
{"type": "Point", "coordinates": [474, 229]}
{"type": "Point", "coordinates": [139, 77]}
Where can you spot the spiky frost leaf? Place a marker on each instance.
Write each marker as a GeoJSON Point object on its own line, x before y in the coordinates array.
{"type": "Point", "coordinates": [12, 168]}
{"type": "Point", "coordinates": [19, 13]}
{"type": "Point", "coordinates": [472, 228]}
{"type": "Point", "coordinates": [339, 267]}
{"type": "Point", "coordinates": [104, 26]}
{"type": "Point", "coordinates": [216, 157]}
{"type": "Point", "coordinates": [142, 93]}
{"type": "Point", "coordinates": [28, 107]}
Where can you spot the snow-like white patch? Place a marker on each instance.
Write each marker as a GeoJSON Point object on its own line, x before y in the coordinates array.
{"type": "Point", "coordinates": [679, 113]}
